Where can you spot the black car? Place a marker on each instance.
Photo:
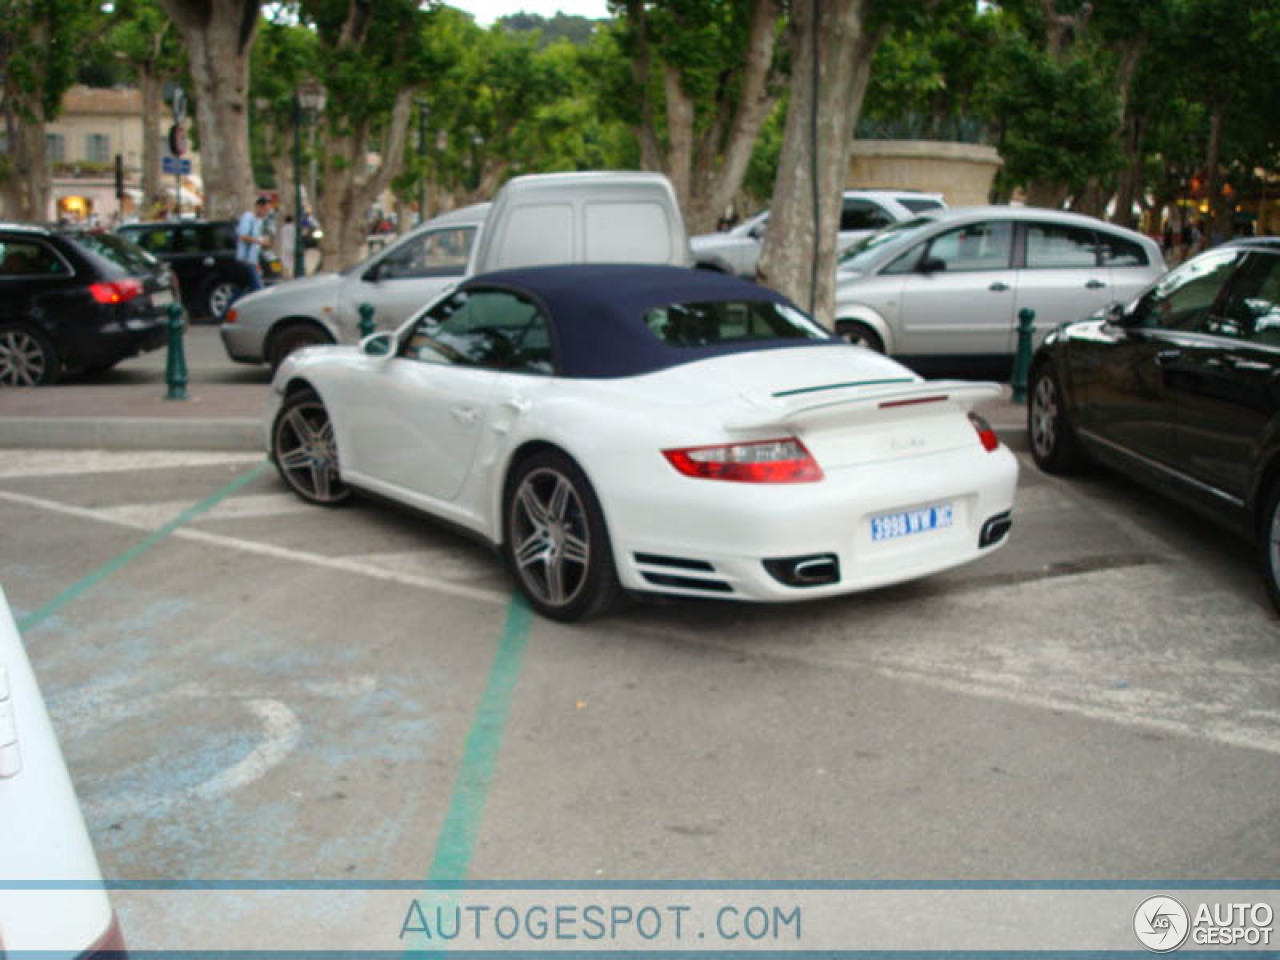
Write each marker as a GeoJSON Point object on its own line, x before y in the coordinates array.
{"type": "Point", "coordinates": [64, 305]}
{"type": "Point", "coordinates": [1179, 389]}
{"type": "Point", "coordinates": [203, 253]}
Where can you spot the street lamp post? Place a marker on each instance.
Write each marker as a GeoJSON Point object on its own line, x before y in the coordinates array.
{"type": "Point", "coordinates": [309, 98]}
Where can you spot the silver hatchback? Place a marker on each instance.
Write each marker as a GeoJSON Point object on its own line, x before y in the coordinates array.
{"type": "Point", "coordinates": [950, 284]}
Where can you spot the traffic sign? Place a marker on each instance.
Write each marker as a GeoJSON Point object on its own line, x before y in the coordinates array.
{"type": "Point", "coordinates": [179, 165]}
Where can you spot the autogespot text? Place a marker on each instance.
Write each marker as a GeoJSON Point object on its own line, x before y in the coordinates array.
{"type": "Point", "coordinates": [480, 924]}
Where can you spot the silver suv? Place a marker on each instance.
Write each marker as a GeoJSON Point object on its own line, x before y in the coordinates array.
{"type": "Point", "coordinates": [864, 212]}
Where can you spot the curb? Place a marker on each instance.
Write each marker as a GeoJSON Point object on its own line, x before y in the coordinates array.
{"type": "Point", "coordinates": [131, 433]}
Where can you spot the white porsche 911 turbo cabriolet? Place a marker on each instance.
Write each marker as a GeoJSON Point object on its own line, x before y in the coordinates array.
{"type": "Point", "coordinates": [651, 429]}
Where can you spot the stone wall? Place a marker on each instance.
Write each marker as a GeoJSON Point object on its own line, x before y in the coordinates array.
{"type": "Point", "coordinates": [961, 172]}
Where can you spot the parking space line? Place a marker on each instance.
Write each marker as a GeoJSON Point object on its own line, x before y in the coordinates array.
{"type": "Point", "coordinates": [457, 839]}
{"type": "Point", "coordinates": [35, 618]}
{"type": "Point", "coordinates": [355, 565]}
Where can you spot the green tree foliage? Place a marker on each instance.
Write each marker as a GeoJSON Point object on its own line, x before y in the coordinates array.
{"type": "Point", "coordinates": [576, 30]}
{"type": "Point", "coordinates": [41, 42]}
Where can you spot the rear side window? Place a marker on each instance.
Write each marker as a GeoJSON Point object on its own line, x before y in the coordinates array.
{"type": "Point", "coordinates": [1053, 246]}
{"type": "Point", "coordinates": [28, 257]}
{"type": "Point", "coordinates": [1185, 297]}
{"type": "Point", "coordinates": [217, 237]}
{"type": "Point", "coordinates": [725, 322]}
{"type": "Point", "coordinates": [1121, 251]}
{"type": "Point", "coordinates": [919, 204]}
{"type": "Point", "coordinates": [1252, 309]}
{"type": "Point", "coordinates": [154, 240]}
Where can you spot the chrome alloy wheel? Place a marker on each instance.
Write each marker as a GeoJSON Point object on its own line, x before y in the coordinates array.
{"type": "Point", "coordinates": [24, 362]}
{"type": "Point", "coordinates": [551, 537]}
{"type": "Point", "coordinates": [1273, 548]}
{"type": "Point", "coordinates": [307, 454]}
{"type": "Point", "coordinates": [1044, 417]}
{"type": "Point", "coordinates": [220, 298]}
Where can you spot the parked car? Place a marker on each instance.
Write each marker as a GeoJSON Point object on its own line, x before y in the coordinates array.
{"type": "Point", "coordinates": [947, 287]}
{"type": "Point", "coordinates": [42, 831]}
{"type": "Point", "coordinates": [203, 253]}
{"type": "Point", "coordinates": [1177, 389]}
{"type": "Point", "coordinates": [63, 305]}
{"type": "Point", "coordinates": [650, 428]}
{"type": "Point", "coordinates": [864, 211]}
{"type": "Point", "coordinates": [584, 217]}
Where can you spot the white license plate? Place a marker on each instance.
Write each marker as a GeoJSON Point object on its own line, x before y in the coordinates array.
{"type": "Point", "coordinates": [161, 298]}
{"type": "Point", "coordinates": [904, 523]}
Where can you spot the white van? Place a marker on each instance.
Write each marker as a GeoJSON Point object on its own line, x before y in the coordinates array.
{"type": "Point", "coordinates": [585, 217]}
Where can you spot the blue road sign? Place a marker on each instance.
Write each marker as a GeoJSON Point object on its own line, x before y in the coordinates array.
{"type": "Point", "coordinates": [170, 164]}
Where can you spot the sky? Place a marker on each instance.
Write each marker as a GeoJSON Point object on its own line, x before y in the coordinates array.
{"type": "Point", "coordinates": [487, 11]}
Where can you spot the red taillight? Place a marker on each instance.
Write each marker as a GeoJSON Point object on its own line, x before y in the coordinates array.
{"type": "Point", "coordinates": [988, 436]}
{"type": "Point", "coordinates": [763, 461]}
{"type": "Point", "coordinates": [116, 291]}
{"type": "Point", "coordinates": [230, 316]}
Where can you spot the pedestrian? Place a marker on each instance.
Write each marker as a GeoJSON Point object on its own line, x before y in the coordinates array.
{"type": "Point", "coordinates": [288, 240]}
{"type": "Point", "coordinates": [249, 240]}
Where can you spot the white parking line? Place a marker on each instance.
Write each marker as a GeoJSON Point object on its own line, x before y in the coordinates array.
{"type": "Point", "coordinates": [364, 566]}
{"type": "Point", "coordinates": [57, 463]}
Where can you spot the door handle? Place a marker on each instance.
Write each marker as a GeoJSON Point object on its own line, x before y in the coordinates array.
{"type": "Point", "coordinates": [998, 287]}
{"type": "Point", "coordinates": [464, 414]}
{"type": "Point", "coordinates": [1166, 357]}
{"type": "Point", "coordinates": [1094, 285]}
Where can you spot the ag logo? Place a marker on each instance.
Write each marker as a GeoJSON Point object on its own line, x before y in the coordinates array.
{"type": "Point", "coordinates": [1161, 924]}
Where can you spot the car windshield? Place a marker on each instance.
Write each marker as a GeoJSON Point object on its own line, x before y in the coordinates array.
{"type": "Point", "coordinates": [121, 252]}
{"type": "Point", "coordinates": [727, 322]}
{"type": "Point", "coordinates": [859, 255]}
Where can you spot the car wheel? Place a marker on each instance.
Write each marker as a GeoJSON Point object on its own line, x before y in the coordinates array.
{"type": "Point", "coordinates": [305, 452]}
{"type": "Point", "coordinates": [221, 295]}
{"type": "Point", "coordinates": [1053, 440]}
{"type": "Point", "coordinates": [555, 540]}
{"type": "Point", "coordinates": [27, 358]}
{"type": "Point", "coordinates": [293, 337]}
{"type": "Point", "coordinates": [860, 335]}
{"type": "Point", "coordinates": [1269, 543]}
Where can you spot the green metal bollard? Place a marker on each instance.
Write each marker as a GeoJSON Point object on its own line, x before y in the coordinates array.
{"type": "Point", "coordinates": [175, 367]}
{"type": "Point", "coordinates": [367, 326]}
{"type": "Point", "coordinates": [1022, 360]}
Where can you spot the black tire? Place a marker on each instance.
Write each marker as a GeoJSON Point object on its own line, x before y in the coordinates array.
{"type": "Point", "coordinates": [1269, 543]}
{"type": "Point", "coordinates": [218, 298]}
{"type": "Point", "coordinates": [291, 337]}
{"type": "Point", "coordinates": [1054, 445]}
{"type": "Point", "coordinates": [305, 452]}
{"type": "Point", "coordinates": [555, 539]}
{"type": "Point", "coordinates": [27, 358]}
{"type": "Point", "coordinates": [860, 335]}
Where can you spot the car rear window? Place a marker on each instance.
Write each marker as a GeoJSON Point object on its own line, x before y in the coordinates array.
{"type": "Point", "coordinates": [728, 322]}
{"type": "Point", "coordinates": [920, 204]}
{"type": "Point", "coordinates": [121, 252]}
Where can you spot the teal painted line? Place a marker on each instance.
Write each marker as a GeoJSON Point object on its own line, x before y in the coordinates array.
{"type": "Point", "coordinates": [457, 839]}
{"type": "Point", "coordinates": [37, 617]}
{"type": "Point", "coordinates": [841, 386]}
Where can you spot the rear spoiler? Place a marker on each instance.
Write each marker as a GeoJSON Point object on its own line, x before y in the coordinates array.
{"type": "Point", "coordinates": [856, 400]}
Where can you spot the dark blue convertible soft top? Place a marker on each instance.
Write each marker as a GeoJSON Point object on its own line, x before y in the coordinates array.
{"type": "Point", "coordinates": [597, 313]}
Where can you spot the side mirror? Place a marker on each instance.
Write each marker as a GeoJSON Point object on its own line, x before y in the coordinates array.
{"type": "Point", "coordinates": [757, 232]}
{"type": "Point", "coordinates": [381, 344]}
{"type": "Point", "coordinates": [375, 273]}
{"type": "Point", "coordinates": [929, 265]}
